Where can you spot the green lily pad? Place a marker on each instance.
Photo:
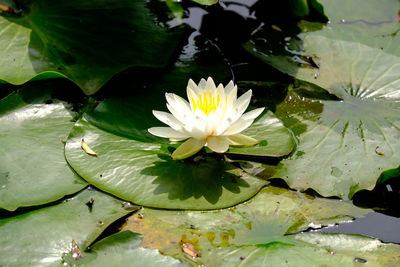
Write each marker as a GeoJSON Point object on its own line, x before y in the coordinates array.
{"type": "Point", "coordinates": [310, 249]}
{"type": "Point", "coordinates": [345, 144]}
{"type": "Point", "coordinates": [87, 42]}
{"type": "Point", "coordinates": [262, 229]}
{"type": "Point", "coordinates": [361, 11]}
{"type": "Point", "coordinates": [144, 173]}
{"type": "Point", "coordinates": [44, 237]}
{"type": "Point", "coordinates": [33, 170]}
{"type": "Point", "coordinates": [206, 2]}
{"type": "Point", "coordinates": [275, 140]}
{"type": "Point", "coordinates": [122, 249]}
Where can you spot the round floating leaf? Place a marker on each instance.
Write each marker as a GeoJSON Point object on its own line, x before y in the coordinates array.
{"type": "Point", "coordinates": [345, 145]}
{"type": "Point", "coordinates": [144, 173]}
{"type": "Point", "coordinates": [33, 170]}
{"type": "Point", "coordinates": [43, 237]}
{"type": "Point", "coordinates": [267, 224]}
{"type": "Point", "coordinates": [122, 249]}
{"type": "Point", "coordinates": [56, 39]}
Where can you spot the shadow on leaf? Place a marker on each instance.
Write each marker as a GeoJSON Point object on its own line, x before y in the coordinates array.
{"type": "Point", "coordinates": [206, 178]}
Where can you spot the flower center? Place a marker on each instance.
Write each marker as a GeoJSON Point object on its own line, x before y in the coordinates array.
{"type": "Point", "coordinates": [206, 102]}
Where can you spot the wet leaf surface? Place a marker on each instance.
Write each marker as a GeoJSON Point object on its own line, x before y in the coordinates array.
{"type": "Point", "coordinates": [145, 174]}
{"type": "Point", "coordinates": [344, 143]}
{"type": "Point", "coordinates": [123, 249]}
{"type": "Point", "coordinates": [43, 237]}
{"type": "Point", "coordinates": [33, 170]}
{"type": "Point", "coordinates": [265, 220]}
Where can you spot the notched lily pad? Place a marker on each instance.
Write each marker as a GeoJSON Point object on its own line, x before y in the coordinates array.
{"type": "Point", "coordinates": [346, 144]}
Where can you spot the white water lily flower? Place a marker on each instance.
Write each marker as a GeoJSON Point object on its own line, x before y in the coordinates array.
{"type": "Point", "coordinates": [213, 117]}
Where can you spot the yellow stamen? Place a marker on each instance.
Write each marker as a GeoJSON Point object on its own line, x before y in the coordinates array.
{"type": "Point", "coordinates": [206, 102]}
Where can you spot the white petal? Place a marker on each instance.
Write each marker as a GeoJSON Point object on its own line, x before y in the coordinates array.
{"type": "Point", "coordinates": [184, 118]}
{"type": "Point", "coordinates": [194, 86]}
{"type": "Point", "coordinates": [202, 84]}
{"type": "Point", "coordinates": [179, 104]}
{"type": "Point", "coordinates": [251, 115]}
{"type": "Point", "coordinates": [214, 120]}
{"type": "Point", "coordinates": [183, 104]}
{"type": "Point", "coordinates": [219, 144]}
{"type": "Point", "coordinates": [188, 148]}
{"type": "Point", "coordinates": [237, 127]}
{"type": "Point", "coordinates": [170, 98]}
{"type": "Point", "coordinates": [231, 96]}
{"type": "Point", "coordinates": [210, 85]}
{"type": "Point", "coordinates": [226, 123]}
{"type": "Point", "coordinates": [242, 140]}
{"type": "Point", "coordinates": [229, 87]}
{"type": "Point", "coordinates": [221, 93]}
{"type": "Point", "coordinates": [199, 126]}
{"type": "Point", "coordinates": [241, 104]}
{"type": "Point", "coordinates": [168, 119]}
{"type": "Point", "coordinates": [192, 96]}
{"type": "Point", "coordinates": [167, 132]}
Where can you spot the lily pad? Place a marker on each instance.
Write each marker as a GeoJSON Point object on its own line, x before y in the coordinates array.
{"type": "Point", "coordinates": [33, 170]}
{"type": "Point", "coordinates": [361, 11]}
{"type": "Point", "coordinates": [310, 249]}
{"type": "Point", "coordinates": [144, 173]}
{"type": "Point", "coordinates": [87, 42]}
{"type": "Point", "coordinates": [345, 144]}
{"type": "Point", "coordinates": [262, 229]}
{"type": "Point", "coordinates": [206, 2]}
{"type": "Point", "coordinates": [122, 249]}
{"type": "Point", "coordinates": [43, 237]}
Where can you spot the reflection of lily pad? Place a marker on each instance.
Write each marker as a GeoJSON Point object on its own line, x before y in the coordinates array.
{"type": "Point", "coordinates": [259, 231]}
{"type": "Point", "coordinates": [33, 170]}
{"type": "Point", "coordinates": [145, 174]}
{"type": "Point", "coordinates": [87, 42]}
{"type": "Point", "coordinates": [346, 144]}
{"type": "Point", "coordinates": [41, 237]}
